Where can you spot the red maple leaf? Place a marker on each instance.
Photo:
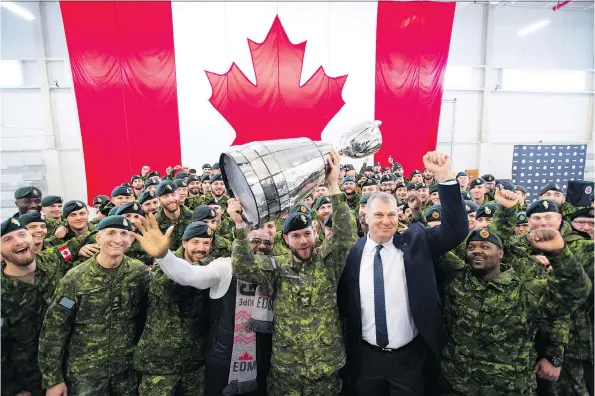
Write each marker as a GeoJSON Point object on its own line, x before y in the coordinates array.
{"type": "Point", "coordinates": [246, 356]}
{"type": "Point", "coordinates": [277, 107]}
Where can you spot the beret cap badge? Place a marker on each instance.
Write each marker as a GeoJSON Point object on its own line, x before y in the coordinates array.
{"type": "Point", "coordinates": [303, 219]}
{"type": "Point", "coordinates": [125, 222]}
{"type": "Point", "coordinates": [303, 209]}
{"type": "Point", "coordinates": [15, 222]}
{"type": "Point", "coordinates": [436, 215]}
{"type": "Point", "coordinates": [488, 210]}
{"type": "Point", "coordinates": [545, 204]}
{"type": "Point", "coordinates": [484, 233]}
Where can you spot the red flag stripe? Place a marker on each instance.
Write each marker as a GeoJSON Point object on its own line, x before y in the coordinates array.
{"type": "Point", "coordinates": [123, 67]}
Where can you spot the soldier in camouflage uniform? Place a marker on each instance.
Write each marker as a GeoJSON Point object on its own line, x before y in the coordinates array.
{"type": "Point", "coordinates": [92, 325]}
{"type": "Point", "coordinates": [132, 211]}
{"type": "Point", "coordinates": [491, 316]}
{"type": "Point", "coordinates": [308, 348]}
{"type": "Point", "coordinates": [170, 353]}
{"type": "Point", "coordinates": [76, 219]}
{"type": "Point", "coordinates": [28, 280]}
{"type": "Point", "coordinates": [554, 192]}
{"type": "Point", "coordinates": [27, 199]}
{"type": "Point", "coordinates": [51, 206]}
{"type": "Point", "coordinates": [351, 194]}
{"type": "Point", "coordinates": [172, 213]}
{"type": "Point", "coordinates": [221, 245]}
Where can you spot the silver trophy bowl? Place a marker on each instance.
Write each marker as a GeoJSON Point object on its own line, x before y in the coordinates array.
{"type": "Point", "coordinates": [270, 177]}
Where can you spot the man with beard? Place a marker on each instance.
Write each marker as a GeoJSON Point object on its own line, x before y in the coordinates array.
{"type": "Point", "coordinates": [554, 192]}
{"type": "Point", "coordinates": [96, 315]}
{"type": "Point", "coordinates": [27, 199]}
{"type": "Point", "coordinates": [221, 246]}
{"type": "Point", "coordinates": [138, 185]}
{"type": "Point", "coordinates": [51, 206]}
{"type": "Point", "coordinates": [149, 202]}
{"type": "Point", "coordinates": [351, 193]}
{"type": "Point", "coordinates": [194, 198]}
{"type": "Point", "coordinates": [387, 183]}
{"type": "Point", "coordinates": [320, 191]}
{"type": "Point", "coordinates": [172, 213]}
{"type": "Point", "coordinates": [28, 280]}
{"type": "Point", "coordinates": [324, 209]}
{"type": "Point", "coordinates": [205, 184]}
{"type": "Point", "coordinates": [490, 185]}
{"type": "Point", "coordinates": [151, 184]}
{"type": "Point", "coordinates": [428, 177]}
{"type": "Point", "coordinates": [260, 241]}
{"type": "Point", "coordinates": [218, 190]}
{"type": "Point", "coordinates": [308, 348]}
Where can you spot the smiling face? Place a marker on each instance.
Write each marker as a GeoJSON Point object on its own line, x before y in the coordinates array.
{"type": "Point", "coordinates": [38, 231]}
{"type": "Point", "coordinates": [196, 249]}
{"type": "Point", "coordinates": [483, 256]}
{"type": "Point", "coordinates": [301, 243]}
{"type": "Point", "coordinates": [77, 220]}
{"type": "Point", "coordinates": [382, 219]}
{"type": "Point", "coordinates": [17, 248]}
{"type": "Point", "coordinates": [53, 211]}
{"type": "Point", "coordinates": [113, 241]}
{"type": "Point", "coordinates": [555, 196]}
{"type": "Point", "coordinates": [170, 202]}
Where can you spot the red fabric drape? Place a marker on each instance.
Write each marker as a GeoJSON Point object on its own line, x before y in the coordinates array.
{"type": "Point", "coordinates": [412, 46]}
{"type": "Point", "coordinates": [124, 76]}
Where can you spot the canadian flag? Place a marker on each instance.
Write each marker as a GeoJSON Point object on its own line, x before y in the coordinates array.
{"type": "Point", "coordinates": [65, 252]}
{"type": "Point", "coordinates": [161, 83]}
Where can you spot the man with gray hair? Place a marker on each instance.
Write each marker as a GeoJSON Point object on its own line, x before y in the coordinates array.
{"type": "Point", "coordinates": [397, 330]}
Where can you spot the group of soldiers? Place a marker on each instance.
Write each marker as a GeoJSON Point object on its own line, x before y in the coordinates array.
{"type": "Point", "coordinates": [88, 309]}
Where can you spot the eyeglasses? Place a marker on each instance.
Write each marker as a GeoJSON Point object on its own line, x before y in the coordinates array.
{"type": "Point", "coordinates": [584, 223]}
{"type": "Point", "coordinates": [264, 242]}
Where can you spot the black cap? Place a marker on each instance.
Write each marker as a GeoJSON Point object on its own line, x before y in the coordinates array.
{"type": "Point", "coordinates": [488, 178]}
{"type": "Point", "coordinates": [415, 172]}
{"type": "Point", "coordinates": [484, 235]}
{"type": "Point", "coordinates": [216, 177]}
{"type": "Point", "coordinates": [486, 210]}
{"type": "Point", "coordinates": [10, 225]}
{"type": "Point", "coordinates": [151, 182]}
{"type": "Point", "coordinates": [165, 187]}
{"type": "Point", "coordinates": [328, 222]}
{"type": "Point", "coordinates": [146, 196]}
{"type": "Point", "coordinates": [369, 169]}
{"type": "Point", "coordinates": [192, 171]}
{"type": "Point", "coordinates": [478, 181]}
{"type": "Point", "coordinates": [205, 178]}
{"type": "Point", "coordinates": [122, 191]}
{"type": "Point", "coordinates": [100, 199]}
{"type": "Point", "coordinates": [550, 187]}
{"type": "Point", "coordinates": [542, 206]}
{"type": "Point", "coordinates": [115, 221]}
{"type": "Point", "coordinates": [129, 207]}
{"type": "Point", "coordinates": [583, 212]}
{"type": "Point", "coordinates": [180, 175]}
{"type": "Point", "coordinates": [471, 207]}
{"type": "Point", "coordinates": [72, 206]}
{"type": "Point", "coordinates": [321, 201]}
{"type": "Point", "coordinates": [521, 218]}
{"type": "Point", "coordinates": [400, 185]}
{"type": "Point", "coordinates": [32, 217]}
{"type": "Point", "coordinates": [50, 200]}
{"type": "Point", "coordinates": [27, 192]}
{"type": "Point", "coordinates": [506, 185]}
{"type": "Point", "coordinates": [203, 212]}
{"type": "Point", "coordinates": [370, 182]}
{"type": "Point", "coordinates": [206, 166]}
{"type": "Point", "coordinates": [296, 222]}
{"type": "Point", "coordinates": [411, 186]}
{"type": "Point", "coordinates": [197, 229]}
{"type": "Point", "coordinates": [349, 167]}
{"type": "Point", "coordinates": [388, 178]}
{"type": "Point", "coordinates": [180, 183]}
{"type": "Point", "coordinates": [113, 210]}
{"type": "Point", "coordinates": [193, 177]}
{"type": "Point", "coordinates": [421, 185]}
{"type": "Point", "coordinates": [126, 184]}
{"type": "Point", "coordinates": [213, 201]}
{"type": "Point", "coordinates": [433, 213]}
{"type": "Point", "coordinates": [135, 177]}
{"type": "Point", "coordinates": [105, 207]}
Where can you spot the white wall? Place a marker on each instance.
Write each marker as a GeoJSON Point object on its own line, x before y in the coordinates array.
{"type": "Point", "coordinates": [40, 134]}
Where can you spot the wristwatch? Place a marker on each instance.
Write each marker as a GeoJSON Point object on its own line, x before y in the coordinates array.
{"type": "Point", "coordinates": [555, 361]}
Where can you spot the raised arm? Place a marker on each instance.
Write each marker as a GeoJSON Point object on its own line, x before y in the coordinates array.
{"type": "Point", "coordinates": [344, 232]}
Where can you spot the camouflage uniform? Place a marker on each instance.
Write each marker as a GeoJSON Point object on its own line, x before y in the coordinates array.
{"type": "Point", "coordinates": [192, 202]}
{"type": "Point", "coordinates": [221, 247]}
{"type": "Point", "coordinates": [179, 226]}
{"type": "Point", "coordinates": [566, 210]}
{"type": "Point", "coordinates": [308, 348]}
{"type": "Point", "coordinates": [91, 327]}
{"type": "Point", "coordinates": [55, 241]}
{"type": "Point", "coordinates": [53, 224]}
{"type": "Point", "coordinates": [226, 228]}
{"type": "Point", "coordinates": [23, 308]}
{"type": "Point", "coordinates": [491, 324]}
{"type": "Point", "coordinates": [138, 253]}
{"type": "Point", "coordinates": [170, 353]}
{"type": "Point", "coordinates": [353, 202]}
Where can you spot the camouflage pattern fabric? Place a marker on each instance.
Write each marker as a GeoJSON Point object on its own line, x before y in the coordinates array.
{"type": "Point", "coordinates": [138, 253]}
{"type": "Point", "coordinates": [192, 202]}
{"type": "Point", "coordinates": [191, 383]}
{"type": "Point", "coordinates": [566, 210]}
{"type": "Point", "coordinates": [353, 201]}
{"type": "Point", "coordinates": [280, 385]}
{"type": "Point", "coordinates": [53, 224]}
{"type": "Point", "coordinates": [179, 226]}
{"type": "Point", "coordinates": [571, 381]}
{"type": "Point", "coordinates": [55, 241]}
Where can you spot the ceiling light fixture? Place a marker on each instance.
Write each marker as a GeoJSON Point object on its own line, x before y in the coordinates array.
{"type": "Point", "coordinates": [17, 9]}
{"type": "Point", "coordinates": [533, 27]}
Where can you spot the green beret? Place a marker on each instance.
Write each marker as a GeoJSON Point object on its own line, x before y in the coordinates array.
{"type": "Point", "coordinates": [100, 199]}
{"type": "Point", "coordinates": [466, 195]}
{"type": "Point", "coordinates": [321, 201]}
{"type": "Point", "coordinates": [192, 171]}
{"type": "Point", "coordinates": [165, 187]}
{"type": "Point", "coordinates": [50, 200]}
{"type": "Point", "coordinates": [550, 187]}
{"type": "Point", "coordinates": [349, 167]}
{"type": "Point", "coordinates": [32, 217]}
{"type": "Point", "coordinates": [27, 192]}
{"type": "Point", "coordinates": [205, 178]}
{"type": "Point", "coordinates": [400, 185]}
{"type": "Point", "coordinates": [486, 210]}
{"type": "Point", "coordinates": [369, 169]}
{"type": "Point", "coordinates": [415, 172]}
{"type": "Point", "coordinates": [115, 221]}
{"type": "Point", "coordinates": [71, 206]}
{"type": "Point", "coordinates": [364, 199]}
{"type": "Point", "coordinates": [147, 195]}
{"type": "Point", "coordinates": [411, 186]}
{"type": "Point", "coordinates": [433, 188]}
{"type": "Point", "coordinates": [370, 181]}
{"type": "Point", "coordinates": [153, 174]}
{"type": "Point", "coordinates": [300, 208]}
{"type": "Point", "coordinates": [122, 191]}
{"type": "Point", "coordinates": [296, 221]}
{"type": "Point", "coordinates": [193, 177]}
{"type": "Point", "coordinates": [206, 166]}
{"type": "Point", "coordinates": [433, 213]}
{"type": "Point", "coordinates": [105, 207]}
{"type": "Point", "coordinates": [484, 235]}
{"type": "Point", "coordinates": [506, 185]}
{"type": "Point", "coordinates": [180, 175]}
{"type": "Point", "coordinates": [488, 178]}
{"type": "Point", "coordinates": [216, 177]}
{"type": "Point", "coordinates": [521, 189]}
{"type": "Point", "coordinates": [328, 223]}
{"type": "Point", "coordinates": [521, 218]}
{"type": "Point", "coordinates": [478, 181]}
{"type": "Point", "coordinates": [151, 182]}
{"type": "Point", "coordinates": [583, 212]}
{"type": "Point", "coordinates": [216, 165]}
{"type": "Point", "coordinates": [126, 184]}
{"type": "Point", "coordinates": [129, 207]}
{"type": "Point", "coordinates": [213, 201]}
{"type": "Point", "coordinates": [113, 211]}
{"type": "Point", "coordinates": [461, 174]}
{"type": "Point", "coordinates": [10, 225]}
{"type": "Point", "coordinates": [180, 183]}
{"type": "Point", "coordinates": [542, 206]}
{"type": "Point", "coordinates": [471, 207]}
{"type": "Point", "coordinates": [197, 229]}
{"type": "Point", "coordinates": [420, 185]}
{"type": "Point", "coordinates": [203, 212]}
{"type": "Point", "coordinates": [388, 178]}
{"type": "Point", "coordinates": [135, 177]}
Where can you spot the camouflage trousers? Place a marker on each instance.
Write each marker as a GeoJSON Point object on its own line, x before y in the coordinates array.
{"type": "Point", "coordinates": [279, 384]}
{"type": "Point", "coordinates": [98, 383]}
{"type": "Point", "coordinates": [191, 383]}
{"type": "Point", "coordinates": [572, 380]}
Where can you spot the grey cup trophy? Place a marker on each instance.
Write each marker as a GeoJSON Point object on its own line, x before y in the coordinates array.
{"type": "Point", "coordinates": [270, 177]}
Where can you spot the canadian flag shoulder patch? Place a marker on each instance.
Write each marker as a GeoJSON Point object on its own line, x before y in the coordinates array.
{"type": "Point", "coordinates": [66, 255]}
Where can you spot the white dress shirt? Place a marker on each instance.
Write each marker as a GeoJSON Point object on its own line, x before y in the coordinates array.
{"type": "Point", "coordinates": [400, 325]}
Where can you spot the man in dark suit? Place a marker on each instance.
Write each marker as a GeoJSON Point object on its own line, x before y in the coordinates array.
{"type": "Point", "coordinates": [388, 295]}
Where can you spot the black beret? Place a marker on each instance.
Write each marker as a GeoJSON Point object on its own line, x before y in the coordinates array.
{"type": "Point", "coordinates": [369, 169]}
{"type": "Point", "coordinates": [180, 175]}
{"type": "Point", "coordinates": [388, 178]}
{"type": "Point", "coordinates": [32, 217]}
{"type": "Point", "coordinates": [113, 210]}
{"type": "Point", "coordinates": [470, 206]}
{"type": "Point", "coordinates": [72, 206]}
{"type": "Point", "coordinates": [486, 210]}
{"type": "Point", "coordinates": [364, 199]}
{"type": "Point", "coordinates": [506, 185]}
{"type": "Point", "coordinates": [10, 225]}
{"type": "Point", "coordinates": [321, 201]}
{"type": "Point", "coordinates": [203, 212]}
{"type": "Point", "coordinates": [462, 174]}
{"type": "Point", "coordinates": [478, 181]}
{"type": "Point", "coordinates": [370, 182]}
{"type": "Point", "coordinates": [50, 200]}
{"type": "Point", "coordinates": [411, 186]}
{"type": "Point", "coordinates": [100, 199]}
{"type": "Point", "coordinates": [521, 189]}
{"type": "Point", "coordinates": [396, 165]}
{"type": "Point", "coordinates": [129, 207]}
{"type": "Point", "coordinates": [192, 171]}
{"type": "Point", "coordinates": [216, 165]}
{"type": "Point", "coordinates": [521, 218]}
{"type": "Point", "coordinates": [206, 166]}
{"type": "Point", "coordinates": [135, 177]}
{"type": "Point", "coordinates": [415, 172]}
{"type": "Point", "coordinates": [213, 201]}
{"type": "Point", "coordinates": [153, 174]}
{"type": "Point", "coordinates": [165, 187]}
{"type": "Point", "coordinates": [300, 208]}
{"type": "Point", "coordinates": [421, 185]}
{"type": "Point", "coordinates": [105, 207]}
{"type": "Point", "coordinates": [401, 185]}
{"type": "Point", "coordinates": [433, 188]}
{"type": "Point", "coordinates": [466, 195]}
{"type": "Point", "coordinates": [583, 212]}
{"type": "Point", "coordinates": [349, 167]}
{"type": "Point", "coordinates": [397, 175]}
{"type": "Point", "coordinates": [550, 187]}
{"type": "Point", "coordinates": [197, 229]}
{"type": "Point", "coordinates": [180, 183]}
{"type": "Point", "coordinates": [151, 182]}
{"type": "Point", "coordinates": [115, 221]}
{"type": "Point", "coordinates": [433, 213]}
{"type": "Point", "coordinates": [542, 206]}
{"type": "Point", "coordinates": [328, 222]}
{"type": "Point", "coordinates": [122, 191]}
{"type": "Point", "coordinates": [488, 178]}
{"type": "Point", "coordinates": [205, 178]}
{"type": "Point", "coordinates": [126, 184]}
{"type": "Point", "coordinates": [484, 235]}
{"type": "Point", "coordinates": [147, 195]}
{"type": "Point", "coordinates": [296, 222]}
{"type": "Point", "coordinates": [216, 177]}
{"type": "Point", "coordinates": [193, 177]}
{"type": "Point", "coordinates": [27, 192]}
{"type": "Point", "coordinates": [377, 163]}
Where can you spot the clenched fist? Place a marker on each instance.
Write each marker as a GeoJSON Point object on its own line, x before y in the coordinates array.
{"type": "Point", "coordinates": [234, 210]}
{"type": "Point", "coordinates": [547, 240]}
{"type": "Point", "coordinates": [505, 198]}
{"type": "Point", "coordinates": [438, 164]}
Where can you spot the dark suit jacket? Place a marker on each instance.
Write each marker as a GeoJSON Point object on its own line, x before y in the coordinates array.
{"type": "Point", "coordinates": [421, 247]}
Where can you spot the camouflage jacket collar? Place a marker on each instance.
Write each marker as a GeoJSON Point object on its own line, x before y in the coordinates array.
{"type": "Point", "coordinates": [99, 273]}
{"type": "Point", "coordinates": [499, 282]}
